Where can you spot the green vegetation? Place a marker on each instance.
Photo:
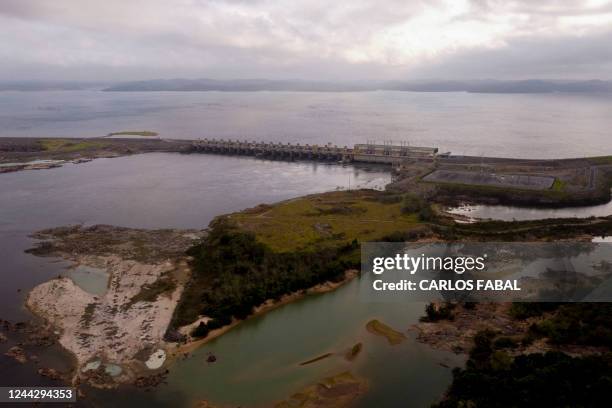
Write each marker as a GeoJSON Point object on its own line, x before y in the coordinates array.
{"type": "Point", "coordinates": [588, 324]}
{"type": "Point", "coordinates": [547, 229]}
{"type": "Point", "coordinates": [354, 351]}
{"type": "Point", "coordinates": [412, 203]}
{"type": "Point", "coordinates": [379, 328]}
{"type": "Point", "coordinates": [559, 185]}
{"type": "Point", "coordinates": [234, 272]}
{"type": "Point", "coordinates": [70, 146]}
{"type": "Point", "coordinates": [601, 160]}
{"type": "Point", "coordinates": [551, 198]}
{"type": "Point", "coordinates": [505, 342]}
{"type": "Point", "coordinates": [149, 293]}
{"type": "Point", "coordinates": [415, 204]}
{"type": "Point", "coordinates": [534, 380]}
{"type": "Point", "coordinates": [200, 331]}
{"type": "Point", "coordinates": [269, 251]}
{"type": "Point", "coordinates": [526, 310]}
{"type": "Point", "coordinates": [134, 133]}
{"type": "Point", "coordinates": [87, 315]}
{"type": "Point", "coordinates": [325, 220]}
{"type": "Point", "coordinates": [493, 378]}
{"type": "Point", "coordinates": [434, 313]}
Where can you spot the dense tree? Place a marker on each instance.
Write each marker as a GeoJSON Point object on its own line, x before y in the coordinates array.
{"type": "Point", "coordinates": [234, 272]}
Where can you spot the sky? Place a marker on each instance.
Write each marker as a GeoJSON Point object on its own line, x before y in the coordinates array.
{"type": "Point", "coordinates": [309, 39]}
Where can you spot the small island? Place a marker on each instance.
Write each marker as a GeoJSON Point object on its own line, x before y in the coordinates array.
{"type": "Point", "coordinates": [141, 133]}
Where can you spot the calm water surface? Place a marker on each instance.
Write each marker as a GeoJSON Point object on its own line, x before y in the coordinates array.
{"type": "Point", "coordinates": [509, 213]}
{"type": "Point", "coordinates": [157, 190]}
{"type": "Point", "coordinates": [530, 126]}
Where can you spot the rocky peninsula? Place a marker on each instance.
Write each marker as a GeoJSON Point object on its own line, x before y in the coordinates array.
{"type": "Point", "coordinates": [121, 329]}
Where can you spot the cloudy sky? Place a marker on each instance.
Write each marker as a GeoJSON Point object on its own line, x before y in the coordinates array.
{"type": "Point", "coordinates": [313, 39]}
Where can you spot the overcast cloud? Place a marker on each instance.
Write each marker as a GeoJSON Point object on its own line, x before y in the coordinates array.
{"type": "Point", "coordinates": [313, 39]}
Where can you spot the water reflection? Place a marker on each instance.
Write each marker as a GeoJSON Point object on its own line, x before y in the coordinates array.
{"type": "Point", "coordinates": [507, 213]}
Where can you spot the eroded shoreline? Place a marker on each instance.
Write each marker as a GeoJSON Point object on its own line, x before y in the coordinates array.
{"type": "Point", "coordinates": [112, 335]}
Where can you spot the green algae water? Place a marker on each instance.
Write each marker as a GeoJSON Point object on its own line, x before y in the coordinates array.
{"type": "Point", "coordinates": [258, 361]}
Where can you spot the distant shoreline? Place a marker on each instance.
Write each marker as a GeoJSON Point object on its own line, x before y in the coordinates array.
{"type": "Point", "coordinates": [527, 86]}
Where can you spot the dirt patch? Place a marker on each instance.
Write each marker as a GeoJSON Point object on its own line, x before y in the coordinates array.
{"type": "Point", "coordinates": [341, 390]}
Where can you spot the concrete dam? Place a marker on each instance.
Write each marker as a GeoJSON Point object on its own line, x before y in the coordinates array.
{"type": "Point", "coordinates": [387, 153]}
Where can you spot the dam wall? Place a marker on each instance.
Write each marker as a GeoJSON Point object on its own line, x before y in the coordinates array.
{"type": "Point", "coordinates": [366, 153]}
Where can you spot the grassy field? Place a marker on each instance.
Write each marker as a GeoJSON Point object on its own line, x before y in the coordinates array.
{"type": "Point", "coordinates": [269, 251]}
{"type": "Point", "coordinates": [559, 185]}
{"type": "Point", "coordinates": [601, 160]}
{"type": "Point", "coordinates": [69, 146]}
{"type": "Point", "coordinates": [325, 220]}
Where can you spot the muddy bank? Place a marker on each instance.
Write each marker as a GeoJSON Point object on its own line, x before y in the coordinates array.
{"type": "Point", "coordinates": [340, 390]}
{"type": "Point", "coordinates": [191, 343]}
{"type": "Point", "coordinates": [115, 335]}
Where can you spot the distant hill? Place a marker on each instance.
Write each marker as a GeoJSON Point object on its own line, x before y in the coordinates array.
{"type": "Point", "coordinates": [50, 85]}
{"type": "Point", "coordinates": [240, 85]}
{"type": "Point", "coordinates": [251, 85]}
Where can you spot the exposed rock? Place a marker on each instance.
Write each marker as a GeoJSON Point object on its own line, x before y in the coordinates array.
{"type": "Point", "coordinates": [147, 270]}
{"type": "Point", "coordinates": [17, 353]}
{"type": "Point", "coordinates": [203, 404]}
{"type": "Point", "coordinates": [100, 378]}
{"type": "Point", "coordinates": [457, 335]}
{"type": "Point", "coordinates": [175, 336]}
{"type": "Point", "coordinates": [151, 381]}
{"type": "Point", "coordinates": [50, 373]}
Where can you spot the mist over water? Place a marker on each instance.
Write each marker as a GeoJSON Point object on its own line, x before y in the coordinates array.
{"type": "Point", "coordinates": [551, 125]}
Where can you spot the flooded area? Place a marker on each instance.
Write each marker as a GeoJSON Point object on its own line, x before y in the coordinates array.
{"type": "Point", "coordinates": [509, 213]}
{"type": "Point", "coordinates": [92, 280]}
